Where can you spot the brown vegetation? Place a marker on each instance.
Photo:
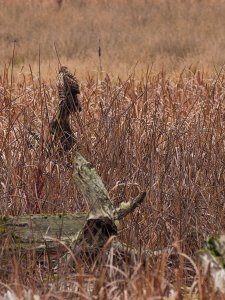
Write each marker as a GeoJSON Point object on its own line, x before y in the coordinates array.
{"type": "Point", "coordinates": [168, 34]}
{"type": "Point", "coordinates": [152, 132]}
{"type": "Point", "coordinates": [157, 134]}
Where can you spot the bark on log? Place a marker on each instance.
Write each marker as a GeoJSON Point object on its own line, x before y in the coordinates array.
{"type": "Point", "coordinates": [91, 186]}
{"type": "Point", "coordinates": [212, 258]}
{"type": "Point", "coordinates": [47, 231]}
{"type": "Point", "coordinates": [41, 231]}
{"type": "Point", "coordinates": [90, 230]}
{"type": "Point", "coordinates": [126, 208]}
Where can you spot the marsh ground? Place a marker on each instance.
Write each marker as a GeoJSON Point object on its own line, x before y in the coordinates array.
{"type": "Point", "coordinates": [162, 86]}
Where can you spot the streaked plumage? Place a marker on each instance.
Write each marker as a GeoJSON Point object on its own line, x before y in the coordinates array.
{"type": "Point", "coordinates": [69, 90]}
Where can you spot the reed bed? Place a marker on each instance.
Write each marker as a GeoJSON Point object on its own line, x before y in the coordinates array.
{"type": "Point", "coordinates": [158, 134]}
{"type": "Point", "coordinates": [170, 34]}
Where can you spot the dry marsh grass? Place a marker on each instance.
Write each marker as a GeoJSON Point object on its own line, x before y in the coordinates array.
{"type": "Point", "coordinates": [144, 130]}
{"type": "Point", "coordinates": [168, 34]}
{"type": "Point", "coordinates": [157, 134]}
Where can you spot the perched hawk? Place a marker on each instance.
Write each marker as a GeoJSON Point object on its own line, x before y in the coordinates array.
{"type": "Point", "coordinates": [68, 90]}
{"type": "Point", "coordinates": [61, 132]}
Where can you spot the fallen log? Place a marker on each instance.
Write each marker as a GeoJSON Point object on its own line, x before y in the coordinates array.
{"type": "Point", "coordinates": [91, 229]}
{"type": "Point", "coordinates": [39, 231]}
{"type": "Point", "coordinates": [212, 258]}
{"type": "Point", "coordinates": [79, 232]}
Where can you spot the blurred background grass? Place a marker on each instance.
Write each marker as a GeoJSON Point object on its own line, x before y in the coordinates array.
{"type": "Point", "coordinates": [169, 35]}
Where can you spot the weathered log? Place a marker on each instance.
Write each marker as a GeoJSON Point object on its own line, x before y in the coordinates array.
{"type": "Point", "coordinates": [98, 201]}
{"type": "Point", "coordinates": [91, 186]}
{"type": "Point", "coordinates": [126, 208]}
{"type": "Point", "coordinates": [81, 231]}
{"type": "Point", "coordinates": [47, 231]}
{"type": "Point", "coordinates": [41, 231]}
{"type": "Point", "coordinates": [91, 229]}
{"type": "Point", "coordinates": [212, 258]}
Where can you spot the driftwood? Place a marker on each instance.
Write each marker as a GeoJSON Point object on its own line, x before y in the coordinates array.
{"type": "Point", "coordinates": [80, 232]}
{"type": "Point", "coordinates": [54, 232]}
{"type": "Point", "coordinates": [92, 229]}
{"type": "Point", "coordinates": [212, 258]}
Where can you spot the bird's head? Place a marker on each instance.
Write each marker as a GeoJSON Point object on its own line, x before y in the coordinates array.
{"type": "Point", "coordinates": [63, 69]}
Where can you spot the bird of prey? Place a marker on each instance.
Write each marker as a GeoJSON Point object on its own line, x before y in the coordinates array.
{"type": "Point", "coordinates": [69, 91]}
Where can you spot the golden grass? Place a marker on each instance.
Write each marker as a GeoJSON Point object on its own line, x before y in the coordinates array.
{"type": "Point", "coordinates": [147, 131]}
{"type": "Point", "coordinates": [156, 134]}
{"type": "Point", "coordinates": [169, 34]}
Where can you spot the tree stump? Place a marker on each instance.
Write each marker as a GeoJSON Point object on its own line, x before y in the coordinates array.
{"type": "Point", "coordinates": [79, 232]}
